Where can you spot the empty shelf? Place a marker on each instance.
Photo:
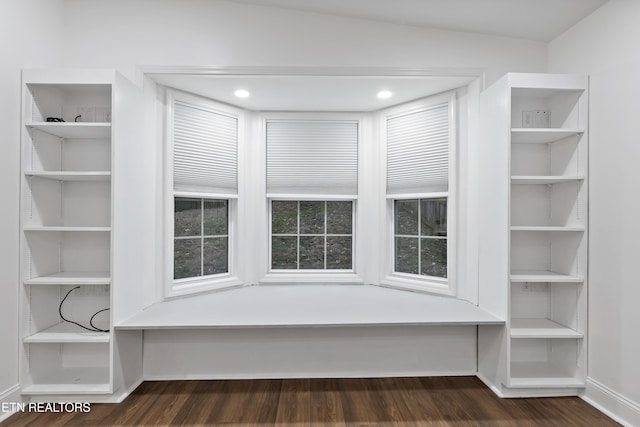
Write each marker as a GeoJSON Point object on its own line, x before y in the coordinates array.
{"type": "Point", "coordinates": [541, 328]}
{"type": "Point", "coordinates": [74, 130]}
{"type": "Point", "coordinates": [543, 180]}
{"type": "Point", "coordinates": [543, 276]}
{"type": "Point", "coordinates": [71, 176]}
{"type": "Point", "coordinates": [541, 375]}
{"type": "Point", "coordinates": [72, 278]}
{"type": "Point", "coordinates": [541, 135]}
{"type": "Point", "coordinates": [545, 228]}
{"type": "Point", "coordinates": [89, 380]}
{"type": "Point", "coordinates": [67, 333]}
{"type": "Point", "coordinates": [65, 228]}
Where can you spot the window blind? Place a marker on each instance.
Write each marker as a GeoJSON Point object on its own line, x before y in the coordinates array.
{"type": "Point", "coordinates": [418, 151]}
{"type": "Point", "coordinates": [312, 157]}
{"type": "Point", "coordinates": [204, 150]}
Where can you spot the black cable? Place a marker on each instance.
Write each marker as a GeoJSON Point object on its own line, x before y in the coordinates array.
{"type": "Point", "coordinates": [92, 328]}
{"type": "Point", "coordinates": [93, 317]}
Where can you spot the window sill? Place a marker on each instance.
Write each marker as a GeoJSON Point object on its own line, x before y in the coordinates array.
{"type": "Point", "coordinates": [203, 285]}
{"type": "Point", "coordinates": [311, 278]}
{"type": "Point", "coordinates": [407, 283]}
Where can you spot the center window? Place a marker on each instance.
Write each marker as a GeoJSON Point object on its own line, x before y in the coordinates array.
{"type": "Point", "coordinates": [311, 235]}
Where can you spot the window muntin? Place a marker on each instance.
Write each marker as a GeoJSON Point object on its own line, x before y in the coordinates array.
{"type": "Point", "coordinates": [201, 237]}
{"type": "Point", "coordinates": [311, 235]}
{"type": "Point", "coordinates": [420, 237]}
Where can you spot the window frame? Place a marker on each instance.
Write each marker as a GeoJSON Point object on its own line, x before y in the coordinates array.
{"type": "Point", "coordinates": [355, 275]}
{"type": "Point", "coordinates": [185, 286]}
{"type": "Point", "coordinates": [312, 271]}
{"type": "Point", "coordinates": [417, 282]}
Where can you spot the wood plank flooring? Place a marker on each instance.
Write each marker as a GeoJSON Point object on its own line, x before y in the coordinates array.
{"type": "Point", "coordinates": [434, 401]}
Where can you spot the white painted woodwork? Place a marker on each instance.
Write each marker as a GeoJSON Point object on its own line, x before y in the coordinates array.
{"type": "Point", "coordinates": [68, 213]}
{"type": "Point", "coordinates": [73, 130]}
{"type": "Point", "coordinates": [308, 306]}
{"type": "Point", "coordinates": [66, 333]}
{"type": "Point", "coordinates": [541, 283]}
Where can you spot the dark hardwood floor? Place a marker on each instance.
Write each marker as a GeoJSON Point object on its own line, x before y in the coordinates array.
{"type": "Point", "coordinates": [436, 401]}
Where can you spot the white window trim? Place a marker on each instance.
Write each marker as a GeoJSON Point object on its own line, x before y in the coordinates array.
{"type": "Point", "coordinates": [388, 277]}
{"type": "Point", "coordinates": [269, 276]}
{"type": "Point", "coordinates": [180, 287]}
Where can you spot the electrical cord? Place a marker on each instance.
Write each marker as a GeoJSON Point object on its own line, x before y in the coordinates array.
{"type": "Point", "coordinates": [93, 328]}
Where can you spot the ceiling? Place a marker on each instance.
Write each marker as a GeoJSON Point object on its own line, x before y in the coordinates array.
{"type": "Point", "coordinates": [312, 93]}
{"type": "Point", "coordinates": [541, 20]}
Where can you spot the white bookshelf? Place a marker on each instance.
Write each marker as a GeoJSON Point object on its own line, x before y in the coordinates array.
{"type": "Point", "coordinates": [535, 138]}
{"type": "Point", "coordinates": [66, 217]}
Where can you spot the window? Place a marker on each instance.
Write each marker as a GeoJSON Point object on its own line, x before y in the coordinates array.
{"type": "Point", "coordinates": [312, 186]}
{"type": "Point", "coordinates": [311, 235]}
{"type": "Point", "coordinates": [420, 189]}
{"type": "Point", "coordinates": [200, 238]}
{"type": "Point", "coordinates": [420, 236]}
{"type": "Point", "coordinates": [202, 154]}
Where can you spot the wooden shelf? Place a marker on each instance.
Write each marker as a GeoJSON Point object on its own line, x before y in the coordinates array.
{"type": "Point", "coordinates": [543, 276]}
{"type": "Point", "coordinates": [544, 180]}
{"type": "Point", "coordinates": [72, 278]}
{"type": "Point", "coordinates": [66, 228]}
{"type": "Point", "coordinates": [541, 328]}
{"type": "Point", "coordinates": [545, 228]}
{"type": "Point", "coordinates": [71, 130]}
{"type": "Point", "coordinates": [541, 375]}
{"type": "Point", "coordinates": [67, 333]}
{"type": "Point", "coordinates": [89, 380]}
{"type": "Point", "coordinates": [71, 176]}
{"type": "Point", "coordinates": [541, 135]}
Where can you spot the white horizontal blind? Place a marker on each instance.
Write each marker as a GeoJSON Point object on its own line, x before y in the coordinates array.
{"type": "Point", "coordinates": [204, 150]}
{"type": "Point", "coordinates": [312, 157]}
{"type": "Point", "coordinates": [418, 151]}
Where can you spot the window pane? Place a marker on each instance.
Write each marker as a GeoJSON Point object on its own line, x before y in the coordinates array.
{"type": "Point", "coordinates": [312, 217]}
{"type": "Point", "coordinates": [406, 217]}
{"type": "Point", "coordinates": [186, 258]}
{"type": "Point", "coordinates": [187, 217]}
{"type": "Point", "coordinates": [339, 253]}
{"type": "Point", "coordinates": [407, 255]}
{"type": "Point", "coordinates": [434, 257]}
{"type": "Point", "coordinates": [433, 217]}
{"type": "Point", "coordinates": [284, 254]}
{"type": "Point", "coordinates": [284, 217]}
{"type": "Point", "coordinates": [215, 258]}
{"type": "Point", "coordinates": [312, 252]}
{"type": "Point", "coordinates": [339, 217]}
{"type": "Point", "coordinates": [215, 217]}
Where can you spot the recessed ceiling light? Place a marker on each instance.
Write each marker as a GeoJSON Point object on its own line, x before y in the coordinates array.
{"type": "Point", "coordinates": [241, 93]}
{"type": "Point", "coordinates": [384, 94]}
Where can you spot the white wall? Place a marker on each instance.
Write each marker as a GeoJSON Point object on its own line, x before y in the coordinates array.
{"type": "Point", "coordinates": [123, 33]}
{"type": "Point", "coordinates": [605, 46]}
{"type": "Point", "coordinates": [30, 34]}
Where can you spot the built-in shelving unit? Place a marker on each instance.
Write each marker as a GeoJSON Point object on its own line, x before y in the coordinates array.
{"type": "Point", "coordinates": [66, 221]}
{"type": "Point", "coordinates": [82, 262]}
{"type": "Point", "coordinates": [535, 216]}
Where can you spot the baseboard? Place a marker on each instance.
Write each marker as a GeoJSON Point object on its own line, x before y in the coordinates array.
{"type": "Point", "coordinates": [10, 395]}
{"type": "Point", "coordinates": [613, 404]}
